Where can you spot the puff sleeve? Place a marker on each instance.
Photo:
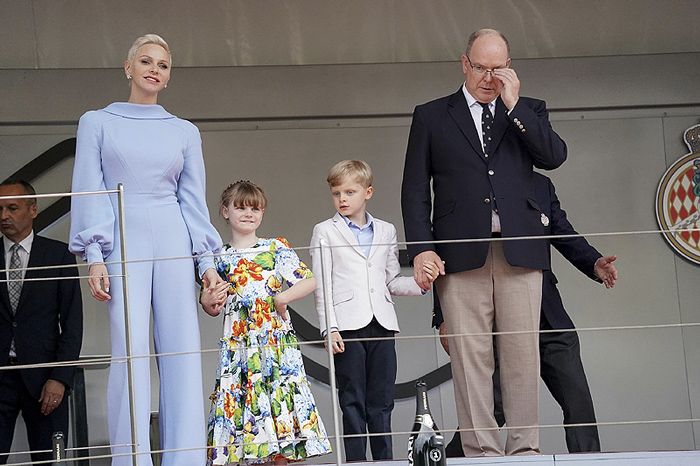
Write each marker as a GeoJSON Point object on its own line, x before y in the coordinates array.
{"type": "Point", "coordinates": [92, 216]}
{"type": "Point", "coordinates": [191, 190]}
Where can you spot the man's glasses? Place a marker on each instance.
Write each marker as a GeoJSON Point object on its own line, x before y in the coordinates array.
{"type": "Point", "coordinates": [481, 70]}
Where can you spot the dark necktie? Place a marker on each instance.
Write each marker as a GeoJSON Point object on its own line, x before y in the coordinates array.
{"type": "Point", "coordinates": [14, 284]}
{"type": "Point", "coordinates": [486, 131]}
{"type": "Point", "coordinates": [486, 125]}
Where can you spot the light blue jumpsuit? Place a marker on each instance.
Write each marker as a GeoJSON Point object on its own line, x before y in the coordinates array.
{"type": "Point", "coordinates": [158, 158]}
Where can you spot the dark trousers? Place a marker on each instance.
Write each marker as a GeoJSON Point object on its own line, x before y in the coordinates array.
{"type": "Point", "coordinates": [562, 371]}
{"type": "Point", "coordinates": [15, 399]}
{"type": "Point", "coordinates": [366, 373]}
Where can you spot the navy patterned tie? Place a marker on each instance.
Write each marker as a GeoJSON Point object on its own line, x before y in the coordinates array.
{"type": "Point", "coordinates": [486, 124]}
{"type": "Point", "coordinates": [14, 284]}
{"type": "Point", "coordinates": [486, 132]}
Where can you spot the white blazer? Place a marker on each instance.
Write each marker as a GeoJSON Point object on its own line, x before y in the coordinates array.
{"type": "Point", "coordinates": [360, 287]}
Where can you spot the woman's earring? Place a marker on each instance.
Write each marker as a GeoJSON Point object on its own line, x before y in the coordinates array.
{"type": "Point", "coordinates": [128, 76]}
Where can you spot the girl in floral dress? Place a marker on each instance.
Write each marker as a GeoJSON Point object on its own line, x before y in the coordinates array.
{"type": "Point", "coordinates": [262, 407]}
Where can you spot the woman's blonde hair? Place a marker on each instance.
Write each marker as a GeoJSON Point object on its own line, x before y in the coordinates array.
{"type": "Point", "coordinates": [243, 193]}
{"type": "Point", "coordinates": [145, 40]}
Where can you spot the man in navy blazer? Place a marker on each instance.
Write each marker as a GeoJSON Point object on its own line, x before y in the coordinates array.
{"type": "Point", "coordinates": [560, 356]}
{"type": "Point", "coordinates": [40, 323]}
{"type": "Point", "coordinates": [467, 175]}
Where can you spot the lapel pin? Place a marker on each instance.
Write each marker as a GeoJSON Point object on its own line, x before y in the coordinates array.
{"type": "Point", "coordinates": [545, 220]}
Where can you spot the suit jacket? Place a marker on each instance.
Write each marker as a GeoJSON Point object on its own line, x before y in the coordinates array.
{"type": "Point", "coordinates": [360, 287]}
{"type": "Point", "coordinates": [576, 250]}
{"type": "Point", "coordinates": [48, 324]}
{"type": "Point", "coordinates": [444, 147]}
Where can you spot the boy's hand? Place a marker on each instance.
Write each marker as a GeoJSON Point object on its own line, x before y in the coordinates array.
{"type": "Point", "coordinates": [420, 261]}
{"type": "Point", "coordinates": [432, 271]}
{"type": "Point", "coordinates": [214, 298]}
{"type": "Point", "coordinates": [338, 345]}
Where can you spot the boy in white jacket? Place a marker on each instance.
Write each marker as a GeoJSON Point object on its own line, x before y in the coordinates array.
{"type": "Point", "coordinates": [362, 270]}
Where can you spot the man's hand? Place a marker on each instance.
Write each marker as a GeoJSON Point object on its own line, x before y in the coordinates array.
{"type": "Point", "coordinates": [606, 270]}
{"type": "Point", "coordinates": [99, 281]}
{"type": "Point", "coordinates": [426, 260]}
{"type": "Point", "coordinates": [51, 396]}
{"type": "Point", "coordinates": [338, 345]}
{"type": "Point", "coordinates": [511, 86]}
{"type": "Point", "coordinates": [443, 339]}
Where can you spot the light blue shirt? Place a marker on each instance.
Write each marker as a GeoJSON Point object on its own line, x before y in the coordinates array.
{"type": "Point", "coordinates": [364, 234]}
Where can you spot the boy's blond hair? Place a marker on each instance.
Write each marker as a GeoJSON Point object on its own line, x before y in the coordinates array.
{"type": "Point", "coordinates": [358, 171]}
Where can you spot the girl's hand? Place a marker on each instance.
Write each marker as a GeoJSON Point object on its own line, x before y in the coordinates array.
{"type": "Point", "coordinates": [214, 298]}
{"type": "Point", "coordinates": [281, 306]}
{"type": "Point", "coordinates": [99, 281]}
{"type": "Point", "coordinates": [211, 279]}
{"type": "Point", "coordinates": [338, 345]}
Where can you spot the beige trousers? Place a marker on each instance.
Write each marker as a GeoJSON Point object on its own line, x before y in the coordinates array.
{"type": "Point", "coordinates": [507, 298]}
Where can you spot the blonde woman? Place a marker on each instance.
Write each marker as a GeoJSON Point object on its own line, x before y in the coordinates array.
{"type": "Point", "coordinates": [158, 158]}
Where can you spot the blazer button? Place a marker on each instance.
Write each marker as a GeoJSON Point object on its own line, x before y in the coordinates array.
{"type": "Point", "coordinates": [14, 324]}
{"type": "Point", "coordinates": [371, 290]}
{"type": "Point", "coordinates": [487, 201]}
{"type": "Point", "coordinates": [491, 172]}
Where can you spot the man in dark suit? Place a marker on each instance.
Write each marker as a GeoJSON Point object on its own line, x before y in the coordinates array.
{"type": "Point", "coordinates": [478, 147]}
{"type": "Point", "coordinates": [40, 322]}
{"type": "Point", "coordinates": [560, 355]}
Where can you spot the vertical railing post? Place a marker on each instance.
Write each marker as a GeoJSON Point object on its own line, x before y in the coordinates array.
{"type": "Point", "coordinates": [327, 300]}
{"type": "Point", "coordinates": [127, 324]}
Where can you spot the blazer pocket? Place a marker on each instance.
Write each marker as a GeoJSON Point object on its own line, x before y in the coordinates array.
{"type": "Point", "coordinates": [533, 203]}
{"type": "Point", "coordinates": [387, 296]}
{"type": "Point", "coordinates": [443, 208]}
{"type": "Point", "coordinates": [342, 297]}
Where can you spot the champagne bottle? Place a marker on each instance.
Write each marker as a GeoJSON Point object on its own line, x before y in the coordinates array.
{"type": "Point", "coordinates": [426, 447]}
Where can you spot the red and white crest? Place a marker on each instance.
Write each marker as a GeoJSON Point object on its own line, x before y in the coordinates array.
{"type": "Point", "coordinates": [678, 200]}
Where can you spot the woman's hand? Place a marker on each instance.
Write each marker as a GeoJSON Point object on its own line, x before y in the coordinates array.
{"type": "Point", "coordinates": [213, 299]}
{"type": "Point", "coordinates": [99, 281]}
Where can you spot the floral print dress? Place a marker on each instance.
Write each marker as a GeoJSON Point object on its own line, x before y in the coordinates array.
{"type": "Point", "coordinates": [262, 405]}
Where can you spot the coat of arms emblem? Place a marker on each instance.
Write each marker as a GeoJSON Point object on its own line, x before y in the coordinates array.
{"type": "Point", "coordinates": [678, 200]}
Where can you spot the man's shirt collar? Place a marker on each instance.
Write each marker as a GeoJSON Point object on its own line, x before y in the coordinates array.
{"type": "Point", "coordinates": [26, 243]}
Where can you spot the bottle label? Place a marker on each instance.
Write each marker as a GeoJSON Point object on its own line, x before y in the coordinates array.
{"type": "Point", "coordinates": [425, 419]}
{"type": "Point", "coordinates": [435, 455]}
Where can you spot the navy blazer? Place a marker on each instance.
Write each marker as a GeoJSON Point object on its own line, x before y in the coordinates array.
{"type": "Point", "coordinates": [48, 324]}
{"type": "Point", "coordinates": [444, 147]}
{"type": "Point", "coordinates": [576, 250]}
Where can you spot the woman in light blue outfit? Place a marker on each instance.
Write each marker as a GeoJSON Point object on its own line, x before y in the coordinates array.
{"type": "Point", "coordinates": [158, 158]}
